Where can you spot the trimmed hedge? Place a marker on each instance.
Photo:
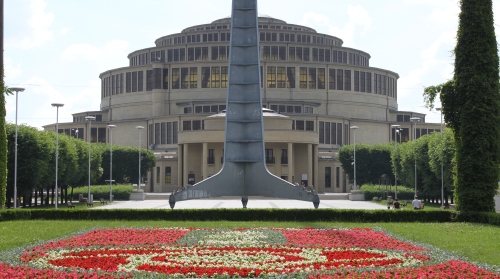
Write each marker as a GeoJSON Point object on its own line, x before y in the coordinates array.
{"type": "Point", "coordinates": [371, 191]}
{"type": "Point", "coordinates": [120, 192]}
{"type": "Point", "coordinates": [331, 215]}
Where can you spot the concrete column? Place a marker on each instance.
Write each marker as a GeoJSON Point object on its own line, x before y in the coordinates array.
{"type": "Point", "coordinates": [179, 164]}
{"type": "Point", "coordinates": [185, 165]}
{"type": "Point", "coordinates": [309, 165]}
{"type": "Point", "coordinates": [315, 167]}
{"type": "Point", "coordinates": [204, 165]}
{"type": "Point", "coordinates": [158, 100]}
{"type": "Point", "coordinates": [290, 162]}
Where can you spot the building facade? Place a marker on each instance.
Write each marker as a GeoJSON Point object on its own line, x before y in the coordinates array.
{"type": "Point", "coordinates": [313, 91]}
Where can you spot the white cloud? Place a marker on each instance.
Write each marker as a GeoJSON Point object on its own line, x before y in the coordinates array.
{"type": "Point", "coordinates": [91, 53]}
{"type": "Point", "coordinates": [39, 23]}
{"type": "Point", "coordinates": [64, 31]}
{"type": "Point", "coordinates": [11, 71]}
{"type": "Point", "coordinates": [359, 22]}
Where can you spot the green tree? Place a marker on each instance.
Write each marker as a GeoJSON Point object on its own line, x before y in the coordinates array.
{"type": "Point", "coordinates": [126, 163]}
{"type": "Point", "coordinates": [471, 107]}
{"type": "Point", "coordinates": [3, 143]}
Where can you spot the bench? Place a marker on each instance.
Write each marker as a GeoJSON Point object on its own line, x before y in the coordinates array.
{"type": "Point", "coordinates": [70, 205]}
{"type": "Point", "coordinates": [103, 201]}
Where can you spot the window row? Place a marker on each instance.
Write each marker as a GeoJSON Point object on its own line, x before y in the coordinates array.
{"type": "Point", "coordinates": [330, 133]}
{"type": "Point", "coordinates": [168, 175]}
{"type": "Point", "coordinates": [163, 133]}
{"type": "Point", "coordinates": [406, 118]}
{"type": "Point", "coordinates": [268, 53]}
{"type": "Point", "coordinates": [275, 77]}
{"type": "Point", "coordinates": [298, 38]}
{"type": "Point", "coordinates": [303, 125]}
{"type": "Point", "coordinates": [291, 109]}
{"type": "Point", "coordinates": [205, 109]}
{"type": "Point", "coordinates": [193, 125]}
{"type": "Point", "coordinates": [98, 118]}
{"type": "Point", "coordinates": [96, 134]}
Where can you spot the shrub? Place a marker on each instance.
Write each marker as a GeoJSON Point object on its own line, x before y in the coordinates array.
{"type": "Point", "coordinates": [372, 191]}
{"type": "Point", "coordinates": [120, 192]}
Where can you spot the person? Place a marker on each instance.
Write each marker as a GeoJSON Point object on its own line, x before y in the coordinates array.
{"type": "Point", "coordinates": [396, 205]}
{"type": "Point", "coordinates": [416, 203]}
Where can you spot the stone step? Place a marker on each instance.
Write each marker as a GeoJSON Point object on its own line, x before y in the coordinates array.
{"type": "Point", "coordinates": [326, 196]}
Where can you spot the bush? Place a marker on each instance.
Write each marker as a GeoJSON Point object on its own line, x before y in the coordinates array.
{"type": "Point", "coordinates": [372, 191]}
{"type": "Point", "coordinates": [120, 192]}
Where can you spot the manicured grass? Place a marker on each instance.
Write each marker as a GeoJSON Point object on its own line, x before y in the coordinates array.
{"type": "Point", "coordinates": [476, 242]}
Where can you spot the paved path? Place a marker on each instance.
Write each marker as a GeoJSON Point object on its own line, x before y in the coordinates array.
{"type": "Point", "coordinates": [235, 202]}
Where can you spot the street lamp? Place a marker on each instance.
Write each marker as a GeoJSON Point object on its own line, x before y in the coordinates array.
{"type": "Point", "coordinates": [442, 175]}
{"type": "Point", "coordinates": [57, 105]}
{"type": "Point", "coordinates": [76, 133]}
{"type": "Point", "coordinates": [111, 127]}
{"type": "Point", "coordinates": [89, 119]}
{"type": "Point", "coordinates": [139, 128]}
{"type": "Point", "coordinates": [396, 132]}
{"type": "Point", "coordinates": [17, 90]}
{"type": "Point", "coordinates": [354, 129]}
{"type": "Point", "coordinates": [415, 120]}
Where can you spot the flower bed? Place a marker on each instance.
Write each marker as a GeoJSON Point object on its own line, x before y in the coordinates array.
{"type": "Point", "coordinates": [210, 253]}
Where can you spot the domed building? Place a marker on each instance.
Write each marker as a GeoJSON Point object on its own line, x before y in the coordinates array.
{"type": "Point", "coordinates": [314, 90]}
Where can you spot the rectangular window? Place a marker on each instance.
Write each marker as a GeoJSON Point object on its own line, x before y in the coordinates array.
{"type": "Point", "coordinates": [331, 79]}
{"type": "Point", "coordinates": [149, 80]}
{"type": "Point", "coordinates": [306, 54]}
{"type": "Point", "coordinates": [184, 78]}
{"type": "Point", "coordinates": [299, 125]}
{"type": "Point", "coordinates": [215, 53]}
{"type": "Point", "coordinates": [271, 77]}
{"type": "Point", "coordinates": [290, 74]}
{"type": "Point", "coordinates": [163, 131]}
{"type": "Point", "coordinates": [339, 133]}
{"type": "Point", "coordinates": [340, 79]}
{"type": "Point", "coordinates": [282, 53]}
{"type": "Point", "coordinates": [157, 77]}
{"type": "Point", "coordinates": [315, 54]}
{"type": "Point", "coordinates": [196, 125]}
{"type": "Point", "coordinates": [291, 53]}
{"type": "Point", "coordinates": [327, 56]}
{"type": "Point", "coordinates": [328, 177]}
{"type": "Point", "coordinates": [274, 53]}
{"type": "Point", "coordinates": [215, 77]}
{"type": "Point", "coordinates": [190, 53]}
{"type": "Point", "coordinates": [140, 81]}
{"type": "Point", "coordinates": [168, 175]}
{"type": "Point", "coordinates": [182, 55]}
{"type": "Point", "coordinates": [193, 77]}
{"type": "Point", "coordinates": [369, 82]}
{"type": "Point", "coordinates": [269, 156]}
{"type": "Point", "coordinates": [175, 78]}
{"type": "Point", "coordinates": [334, 56]}
{"type": "Point", "coordinates": [312, 78]}
{"type": "Point", "coordinates": [347, 80]}
{"type": "Point", "coordinates": [266, 53]}
{"type": "Point", "coordinates": [128, 82]}
{"type": "Point", "coordinates": [280, 77]}
{"type": "Point", "coordinates": [157, 133]}
{"type": "Point", "coordinates": [223, 53]}
{"type": "Point", "coordinates": [322, 131]}
{"type": "Point", "coordinates": [165, 78]}
{"type": "Point", "coordinates": [157, 174]}
{"type": "Point", "coordinates": [356, 80]}
{"type": "Point", "coordinates": [284, 156]}
{"type": "Point", "coordinates": [169, 133]}
{"type": "Point", "coordinates": [362, 80]}
{"type": "Point", "coordinates": [205, 77]}
{"type": "Point", "coordinates": [321, 78]}
{"type": "Point", "coordinates": [298, 55]}
{"type": "Point", "coordinates": [303, 77]}
{"type": "Point", "coordinates": [333, 135]}
{"type": "Point", "coordinates": [176, 55]}
{"type": "Point", "coordinates": [204, 53]}
{"type": "Point", "coordinates": [337, 177]}
{"type": "Point", "coordinates": [309, 125]}
{"type": "Point", "coordinates": [224, 76]}
{"type": "Point", "coordinates": [186, 125]}
{"type": "Point", "coordinates": [327, 132]}
{"type": "Point", "coordinates": [211, 157]}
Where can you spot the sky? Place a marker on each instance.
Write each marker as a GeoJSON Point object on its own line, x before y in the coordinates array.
{"type": "Point", "coordinates": [56, 49]}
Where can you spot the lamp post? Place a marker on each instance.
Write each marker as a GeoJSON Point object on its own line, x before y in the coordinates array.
{"type": "Point", "coordinates": [442, 174]}
{"type": "Point", "coordinates": [76, 133]}
{"type": "Point", "coordinates": [111, 127]}
{"type": "Point", "coordinates": [396, 132]}
{"type": "Point", "coordinates": [139, 128]}
{"type": "Point", "coordinates": [17, 90]}
{"type": "Point", "coordinates": [415, 120]}
{"type": "Point", "coordinates": [89, 119]}
{"type": "Point", "coordinates": [57, 105]}
{"type": "Point", "coordinates": [354, 129]}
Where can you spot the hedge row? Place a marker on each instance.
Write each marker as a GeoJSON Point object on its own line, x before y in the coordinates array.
{"type": "Point", "coordinates": [330, 215]}
{"type": "Point", "coordinates": [371, 191]}
{"type": "Point", "coordinates": [120, 192]}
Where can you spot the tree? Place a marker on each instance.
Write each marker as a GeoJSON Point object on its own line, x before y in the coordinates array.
{"type": "Point", "coordinates": [471, 107]}
{"type": "Point", "coordinates": [3, 141]}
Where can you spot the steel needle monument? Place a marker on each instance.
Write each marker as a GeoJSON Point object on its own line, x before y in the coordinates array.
{"type": "Point", "coordinates": [244, 172]}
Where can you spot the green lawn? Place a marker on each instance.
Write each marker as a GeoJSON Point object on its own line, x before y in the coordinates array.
{"type": "Point", "coordinates": [478, 243]}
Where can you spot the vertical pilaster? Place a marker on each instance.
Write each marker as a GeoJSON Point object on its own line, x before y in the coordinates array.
{"type": "Point", "coordinates": [185, 165]}
{"type": "Point", "coordinates": [315, 167]}
{"type": "Point", "coordinates": [204, 163]}
{"type": "Point", "coordinates": [309, 165]}
{"type": "Point", "coordinates": [179, 164]}
{"type": "Point", "coordinates": [290, 162]}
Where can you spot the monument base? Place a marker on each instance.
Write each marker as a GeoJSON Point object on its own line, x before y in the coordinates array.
{"type": "Point", "coordinates": [356, 195]}
{"type": "Point", "coordinates": [137, 195]}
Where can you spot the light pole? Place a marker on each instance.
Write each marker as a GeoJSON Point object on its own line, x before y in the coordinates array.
{"type": "Point", "coordinates": [57, 105]}
{"type": "Point", "coordinates": [139, 128]}
{"type": "Point", "coordinates": [354, 129]}
{"type": "Point", "coordinates": [111, 127]}
{"type": "Point", "coordinates": [442, 174]}
{"type": "Point", "coordinates": [89, 119]}
{"type": "Point", "coordinates": [76, 133]}
{"type": "Point", "coordinates": [415, 120]}
{"type": "Point", "coordinates": [17, 90]}
{"type": "Point", "coordinates": [396, 132]}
